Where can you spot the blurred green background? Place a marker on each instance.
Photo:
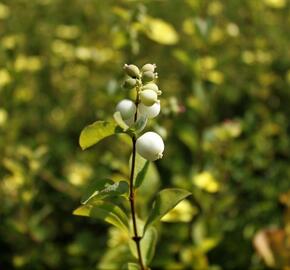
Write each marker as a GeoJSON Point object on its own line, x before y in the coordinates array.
{"type": "Point", "coordinates": [224, 68]}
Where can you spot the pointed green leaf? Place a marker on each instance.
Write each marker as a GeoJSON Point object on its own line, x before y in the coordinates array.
{"type": "Point", "coordinates": [105, 211]}
{"type": "Point", "coordinates": [97, 131]}
{"type": "Point", "coordinates": [148, 245]}
{"type": "Point", "coordinates": [94, 186]}
{"type": "Point", "coordinates": [166, 200]}
{"type": "Point", "coordinates": [141, 168]}
{"type": "Point", "coordinates": [141, 174]}
{"type": "Point", "coordinates": [103, 188]}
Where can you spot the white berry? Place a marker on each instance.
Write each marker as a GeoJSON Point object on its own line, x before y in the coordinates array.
{"type": "Point", "coordinates": [127, 108]}
{"type": "Point", "coordinates": [150, 146]}
{"type": "Point", "coordinates": [149, 111]}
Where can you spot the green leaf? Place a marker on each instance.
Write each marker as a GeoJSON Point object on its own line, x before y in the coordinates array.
{"type": "Point", "coordinates": [119, 120]}
{"type": "Point", "coordinates": [105, 211]}
{"type": "Point", "coordinates": [160, 31]}
{"type": "Point", "coordinates": [148, 244]}
{"type": "Point", "coordinates": [141, 174]}
{"type": "Point", "coordinates": [93, 186]}
{"type": "Point", "coordinates": [166, 200]}
{"type": "Point", "coordinates": [103, 188]}
{"type": "Point", "coordinates": [150, 186]}
{"type": "Point", "coordinates": [97, 131]}
{"type": "Point", "coordinates": [131, 266]}
{"type": "Point", "coordinates": [141, 168]}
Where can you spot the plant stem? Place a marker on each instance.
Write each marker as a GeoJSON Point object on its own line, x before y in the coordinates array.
{"type": "Point", "coordinates": [136, 238]}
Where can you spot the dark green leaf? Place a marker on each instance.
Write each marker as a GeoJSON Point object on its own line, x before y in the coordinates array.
{"type": "Point", "coordinates": [141, 175]}
{"type": "Point", "coordinates": [141, 168]}
{"type": "Point", "coordinates": [106, 211]}
{"type": "Point", "coordinates": [166, 200]}
{"type": "Point", "coordinates": [93, 186]}
{"type": "Point", "coordinates": [148, 244]}
{"type": "Point", "coordinates": [97, 131]}
{"type": "Point", "coordinates": [104, 188]}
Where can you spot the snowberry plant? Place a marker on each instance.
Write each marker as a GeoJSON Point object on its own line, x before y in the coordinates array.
{"type": "Point", "coordinates": [115, 201]}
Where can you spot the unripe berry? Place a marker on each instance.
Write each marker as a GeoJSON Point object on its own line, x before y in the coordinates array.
{"type": "Point", "coordinates": [150, 146]}
{"type": "Point", "coordinates": [149, 111]}
{"type": "Point", "coordinates": [127, 108]}
{"type": "Point", "coordinates": [152, 86]}
{"type": "Point", "coordinates": [148, 97]}
{"type": "Point", "coordinates": [148, 67]}
{"type": "Point", "coordinates": [149, 76]}
{"type": "Point", "coordinates": [132, 70]}
{"type": "Point", "coordinates": [129, 83]}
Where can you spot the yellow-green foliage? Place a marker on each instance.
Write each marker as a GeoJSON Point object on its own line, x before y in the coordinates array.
{"type": "Point", "coordinates": [225, 77]}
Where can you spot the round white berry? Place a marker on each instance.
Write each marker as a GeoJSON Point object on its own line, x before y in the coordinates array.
{"type": "Point", "coordinates": [150, 146]}
{"type": "Point", "coordinates": [127, 108]}
{"type": "Point", "coordinates": [149, 111]}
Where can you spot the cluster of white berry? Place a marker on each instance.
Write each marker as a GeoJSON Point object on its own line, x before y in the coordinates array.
{"type": "Point", "coordinates": [147, 106]}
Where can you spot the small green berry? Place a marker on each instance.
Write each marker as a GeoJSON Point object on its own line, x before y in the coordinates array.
{"type": "Point", "coordinates": [148, 67]}
{"type": "Point", "coordinates": [132, 70]}
{"type": "Point", "coordinates": [148, 97]}
{"type": "Point", "coordinates": [149, 76]}
{"type": "Point", "coordinates": [152, 86]}
{"type": "Point", "coordinates": [130, 83]}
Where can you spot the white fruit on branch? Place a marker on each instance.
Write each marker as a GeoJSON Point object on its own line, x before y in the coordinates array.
{"type": "Point", "coordinates": [150, 146]}
{"type": "Point", "coordinates": [149, 111]}
{"type": "Point", "coordinates": [127, 108]}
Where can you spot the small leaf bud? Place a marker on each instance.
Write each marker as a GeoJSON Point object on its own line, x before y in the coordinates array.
{"type": "Point", "coordinates": [127, 108]}
{"type": "Point", "coordinates": [132, 70]}
{"type": "Point", "coordinates": [148, 67]}
{"type": "Point", "coordinates": [149, 111]}
{"type": "Point", "coordinates": [150, 146]}
{"type": "Point", "coordinates": [129, 83]}
{"type": "Point", "coordinates": [148, 97]}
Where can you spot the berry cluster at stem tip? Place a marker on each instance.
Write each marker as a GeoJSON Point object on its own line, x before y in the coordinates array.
{"type": "Point", "coordinates": [150, 145]}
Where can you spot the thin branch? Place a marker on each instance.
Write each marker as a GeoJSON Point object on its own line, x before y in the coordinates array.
{"type": "Point", "coordinates": [136, 237]}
